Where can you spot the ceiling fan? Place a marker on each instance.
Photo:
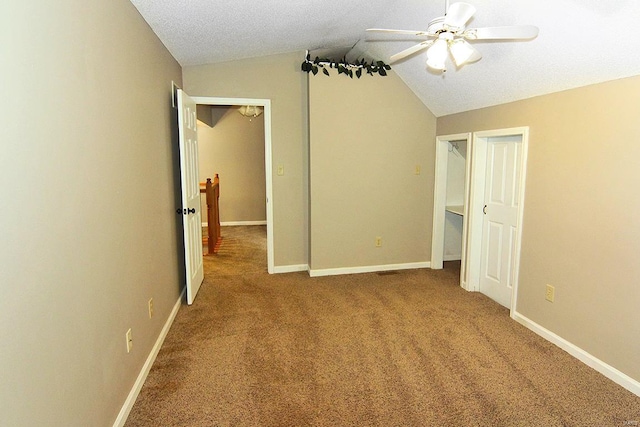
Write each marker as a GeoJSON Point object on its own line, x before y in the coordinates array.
{"type": "Point", "coordinates": [448, 34]}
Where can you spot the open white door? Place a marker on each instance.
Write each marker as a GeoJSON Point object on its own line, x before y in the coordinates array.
{"type": "Point", "coordinates": [191, 218]}
{"type": "Point", "coordinates": [500, 224]}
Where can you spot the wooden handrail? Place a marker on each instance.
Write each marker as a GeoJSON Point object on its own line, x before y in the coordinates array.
{"type": "Point", "coordinates": [212, 191]}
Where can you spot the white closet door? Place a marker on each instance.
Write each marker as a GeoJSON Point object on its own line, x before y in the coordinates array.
{"type": "Point", "coordinates": [499, 234]}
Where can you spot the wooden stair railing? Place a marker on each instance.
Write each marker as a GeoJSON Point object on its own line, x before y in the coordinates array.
{"type": "Point", "coordinates": [212, 191]}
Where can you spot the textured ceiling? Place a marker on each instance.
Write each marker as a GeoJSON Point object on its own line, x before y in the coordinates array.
{"type": "Point", "coordinates": [581, 41]}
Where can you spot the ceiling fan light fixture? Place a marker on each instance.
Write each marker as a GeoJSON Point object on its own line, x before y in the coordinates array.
{"type": "Point", "coordinates": [437, 55]}
{"type": "Point", "coordinates": [461, 51]}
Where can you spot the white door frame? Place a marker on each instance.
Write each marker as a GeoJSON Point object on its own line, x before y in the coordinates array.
{"type": "Point", "coordinates": [440, 199]}
{"type": "Point", "coordinates": [475, 215]}
{"type": "Point", "coordinates": [266, 104]}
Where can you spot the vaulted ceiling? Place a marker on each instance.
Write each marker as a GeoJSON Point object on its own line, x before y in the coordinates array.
{"type": "Point", "coordinates": [581, 42]}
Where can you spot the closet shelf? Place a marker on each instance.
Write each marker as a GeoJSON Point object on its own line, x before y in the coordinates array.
{"type": "Point", "coordinates": [458, 210]}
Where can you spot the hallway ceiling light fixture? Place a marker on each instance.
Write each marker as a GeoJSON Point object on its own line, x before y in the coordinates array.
{"type": "Point", "coordinates": [250, 111]}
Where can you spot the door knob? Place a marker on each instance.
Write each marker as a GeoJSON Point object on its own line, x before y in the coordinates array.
{"type": "Point", "coordinates": [484, 210]}
{"type": "Point", "coordinates": [186, 211]}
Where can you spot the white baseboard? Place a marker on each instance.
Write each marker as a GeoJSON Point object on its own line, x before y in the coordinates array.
{"type": "Point", "coordinates": [368, 269]}
{"type": "Point", "coordinates": [452, 258]}
{"type": "Point", "coordinates": [137, 386]}
{"type": "Point", "coordinates": [290, 268]}
{"type": "Point", "coordinates": [588, 359]}
{"type": "Point", "coordinates": [234, 223]}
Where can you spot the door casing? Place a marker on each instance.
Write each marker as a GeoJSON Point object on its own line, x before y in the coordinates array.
{"type": "Point", "coordinates": [439, 202]}
{"type": "Point", "coordinates": [474, 197]}
{"type": "Point", "coordinates": [266, 104]}
{"type": "Point", "coordinates": [476, 203]}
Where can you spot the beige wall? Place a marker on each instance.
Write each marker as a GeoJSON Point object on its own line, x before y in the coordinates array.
{"type": "Point", "coordinates": [88, 229]}
{"type": "Point", "coordinates": [279, 79]}
{"type": "Point", "coordinates": [581, 231]}
{"type": "Point", "coordinates": [234, 149]}
{"type": "Point", "coordinates": [367, 135]}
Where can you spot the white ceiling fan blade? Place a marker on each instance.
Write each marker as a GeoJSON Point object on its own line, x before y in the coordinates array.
{"type": "Point", "coordinates": [500, 33]}
{"type": "Point", "coordinates": [410, 51]}
{"type": "Point", "coordinates": [458, 14]}
{"type": "Point", "coordinates": [384, 30]}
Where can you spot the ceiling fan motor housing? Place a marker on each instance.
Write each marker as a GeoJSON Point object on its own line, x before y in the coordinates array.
{"type": "Point", "coordinates": [436, 26]}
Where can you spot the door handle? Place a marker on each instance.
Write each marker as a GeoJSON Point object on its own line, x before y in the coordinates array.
{"type": "Point", "coordinates": [186, 211]}
{"type": "Point", "coordinates": [484, 210]}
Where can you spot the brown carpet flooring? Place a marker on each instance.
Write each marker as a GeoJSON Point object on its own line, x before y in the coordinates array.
{"type": "Point", "coordinates": [404, 349]}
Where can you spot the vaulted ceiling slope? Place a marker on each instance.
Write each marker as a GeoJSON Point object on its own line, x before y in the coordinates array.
{"type": "Point", "coordinates": [581, 42]}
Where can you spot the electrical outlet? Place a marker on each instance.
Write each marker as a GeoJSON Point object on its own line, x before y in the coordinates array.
{"type": "Point", "coordinates": [378, 242]}
{"type": "Point", "coordinates": [417, 170]}
{"type": "Point", "coordinates": [129, 338]}
{"type": "Point", "coordinates": [550, 293]}
{"type": "Point", "coordinates": [280, 170]}
{"type": "Point", "coordinates": [151, 308]}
